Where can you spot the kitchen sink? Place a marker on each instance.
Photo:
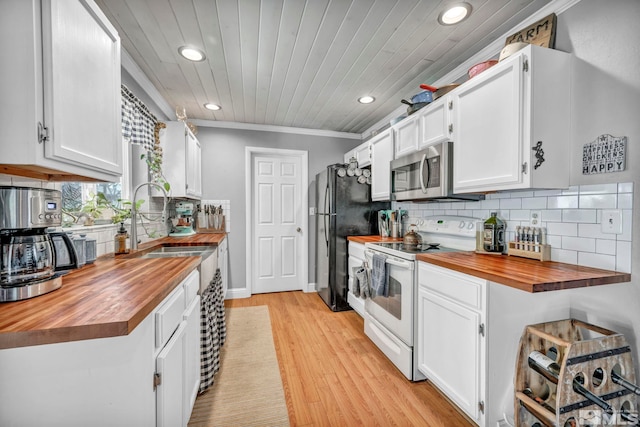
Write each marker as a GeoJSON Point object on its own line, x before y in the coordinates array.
{"type": "Point", "coordinates": [178, 251]}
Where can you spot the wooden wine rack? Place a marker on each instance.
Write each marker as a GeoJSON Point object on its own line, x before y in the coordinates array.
{"type": "Point", "coordinates": [583, 349]}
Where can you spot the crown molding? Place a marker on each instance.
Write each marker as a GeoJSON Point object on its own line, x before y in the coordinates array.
{"type": "Point", "coordinates": [273, 128]}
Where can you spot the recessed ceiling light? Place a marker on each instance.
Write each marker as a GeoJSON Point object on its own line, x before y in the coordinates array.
{"type": "Point", "coordinates": [455, 13]}
{"type": "Point", "coordinates": [192, 54]}
{"type": "Point", "coordinates": [366, 99]}
{"type": "Point", "coordinates": [212, 107]}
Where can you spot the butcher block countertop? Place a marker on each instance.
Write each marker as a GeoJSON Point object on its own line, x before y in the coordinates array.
{"type": "Point", "coordinates": [522, 273]}
{"type": "Point", "coordinates": [108, 298]}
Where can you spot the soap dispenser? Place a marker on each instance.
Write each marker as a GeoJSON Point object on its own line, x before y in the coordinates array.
{"type": "Point", "coordinates": [120, 243]}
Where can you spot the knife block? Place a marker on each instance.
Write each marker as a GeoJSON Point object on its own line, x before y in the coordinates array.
{"type": "Point", "coordinates": [209, 225]}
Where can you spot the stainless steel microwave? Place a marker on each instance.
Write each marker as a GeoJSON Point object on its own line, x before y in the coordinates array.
{"type": "Point", "coordinates": [426, 175]}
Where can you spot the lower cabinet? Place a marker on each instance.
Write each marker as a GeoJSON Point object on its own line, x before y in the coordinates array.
{"type": "Point", "coordinates": [450, 329]}
{"type": "Point", "coordinates": [356, 258]}
{"type": "Point", "coordinates": [467, 335]}
{"type": "Point", "coordinates": [145, 379]}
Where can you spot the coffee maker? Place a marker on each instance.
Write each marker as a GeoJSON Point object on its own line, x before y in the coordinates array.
{"type": "Point", "coordinates": [28, 265]}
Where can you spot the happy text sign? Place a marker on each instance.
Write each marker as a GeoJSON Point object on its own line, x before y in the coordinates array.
{"type": "Point", "coordinates": [606, 154]}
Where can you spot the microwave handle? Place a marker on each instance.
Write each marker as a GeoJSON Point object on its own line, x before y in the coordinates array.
{"type": "Point", "coordinates": [423, 161]}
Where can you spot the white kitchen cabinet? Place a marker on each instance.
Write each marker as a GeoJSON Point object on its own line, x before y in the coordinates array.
{"type": "Point", "coordinates": [169, 365]}
{"type": "Point", "coordinates": [61, 89]}
{"type": "Point", "coordinates": [355, 259]}
{"type": "Point", "coordinates": [451, 311]}
{"type": "Point", "coordinates": [467, 335]}
{"type": "Point", "coordinates": [511, 124]}
{"type": "Point", "coordinates": [381, 156]}
{"type": "Point", "coordinates": [407, 133]}
{"type": "Point", "coordinates": [223, 263]}
{"type": "Point", "coordinates": [362, 153]}
{"type": "Point", "coordinates": [435, 122]}
{"type": "Point", "coordinates": [182, 162]}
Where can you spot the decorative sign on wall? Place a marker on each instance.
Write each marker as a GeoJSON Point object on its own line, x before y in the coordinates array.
{"type": "Point", "coordinates": [541, 33]}
{"type": "Point", "coordinates": [604, 155]}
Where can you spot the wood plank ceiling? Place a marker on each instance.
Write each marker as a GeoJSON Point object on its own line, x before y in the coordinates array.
{"type": "Point", "coordinates": [303, 63]}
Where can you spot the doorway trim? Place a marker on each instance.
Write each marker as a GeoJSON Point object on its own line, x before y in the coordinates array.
{"type": "Point", "coordinates": [249, 154]}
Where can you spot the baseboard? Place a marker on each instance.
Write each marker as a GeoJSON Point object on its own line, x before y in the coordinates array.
{"type": "Point", "coordinates": [238, 293]}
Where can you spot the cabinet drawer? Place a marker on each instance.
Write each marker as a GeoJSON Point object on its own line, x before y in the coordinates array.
{"type": "Point", "coordinates": [191, 286]}
{"type": "Point", "coordinates": [459, 287]}
{"type": "Point", "coordinates": [169, 315]}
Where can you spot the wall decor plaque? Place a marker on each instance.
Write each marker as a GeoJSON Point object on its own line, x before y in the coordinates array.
{"type": "Point", "coordinates": [604, 155]}
{"type": "Point", "coordinates": [541, 33]}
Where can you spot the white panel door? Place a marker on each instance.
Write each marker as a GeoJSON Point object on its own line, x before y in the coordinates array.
{"type": "Point", "coordinates": [278, 217]}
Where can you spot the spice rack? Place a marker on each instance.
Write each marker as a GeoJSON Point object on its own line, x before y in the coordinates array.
{"type": "Point", "coordinates": [537, 251]}
{"type": "Point", "coordinates": [583, 350]}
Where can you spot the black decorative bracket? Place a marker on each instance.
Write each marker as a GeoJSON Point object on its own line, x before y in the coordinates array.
{"type": "Point", "coordinates": [539, 154]}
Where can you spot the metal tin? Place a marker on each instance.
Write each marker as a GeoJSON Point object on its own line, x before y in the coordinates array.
{"type": "Point", "coordinates": [91, 250]}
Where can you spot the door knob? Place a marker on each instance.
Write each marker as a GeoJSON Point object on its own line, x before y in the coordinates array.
{"type": "Point", "coordinates": [298, 229]}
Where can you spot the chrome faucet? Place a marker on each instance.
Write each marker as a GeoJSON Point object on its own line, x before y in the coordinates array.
{"type": "Point", "coordinates": [134, 213]}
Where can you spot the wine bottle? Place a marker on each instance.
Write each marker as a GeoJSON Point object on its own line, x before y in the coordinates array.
{"type": "Point", "coordinates": [551, 370]}
{"type": "Point", "coordinates": [618, 379]}
{"type": "Point", "coordinates": [530, 394]}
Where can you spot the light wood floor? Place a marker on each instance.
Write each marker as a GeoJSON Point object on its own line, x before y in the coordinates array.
{"type": "Point", "coordinates": [334, 375]}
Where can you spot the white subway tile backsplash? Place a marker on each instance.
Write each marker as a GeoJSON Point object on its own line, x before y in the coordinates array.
{"type": "Point", "coordinates": [578, 244]}
{"type": "Point", "coordinates": [607, 262]}
{"type": "Point", "coordinates": [579, 215]}
{"type": "Point", "coordinates": [534, 203]}
{"type": "Point", "coordinates": [606, 247]}
{"type": "Point", "coordinates": [594, 231]}
{"type": "Point", "coordinates": [562, 255]}
{"type": "Point", "coordinates": [491, 204]}
{"type": "Point", "coordinates": [510, 203]}
{"type": "Point", "coordinates": [562, 202]}
{"type": "Point", "coordinates": [598, 201]}
{"type": "Point", "coordinates": [626, 225]}
{"type": "Point", "coordinates": [623, 257]}
{"type": "Point", "coordinates": [520, 215]}
{"type": "Point", "coordinates": [572, 217]}
{"type": "Point", "coordinates": [571, 191]}
{"type": "Point", "coordinates": [625, 187]}
{"type": "Point", "coordinates": [551, 215]}
{"type": "Point", "coordinates": [562, 229]}
{"type": "Point", "coordinates": [599, 189]}
{"type": "Point", "coordinates": [625, 201]}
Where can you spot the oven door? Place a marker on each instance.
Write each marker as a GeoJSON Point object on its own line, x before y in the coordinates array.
{"type": "Point", "coordinates": [395, 312]}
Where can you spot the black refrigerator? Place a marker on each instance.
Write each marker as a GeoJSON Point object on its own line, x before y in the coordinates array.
{"type": "Point", "coordinates": [343, 208]}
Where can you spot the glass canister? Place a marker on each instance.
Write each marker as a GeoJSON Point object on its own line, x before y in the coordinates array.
{"type": "Point", "coordinates": [91, 250]}
{"type": "Point", "coordinates": [493, 235]}
{"type": "Point", "coordinates": [80, 243]}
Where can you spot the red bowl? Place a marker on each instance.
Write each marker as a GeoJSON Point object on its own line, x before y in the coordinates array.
{"type": "Point", "coordinates": [478, 68]}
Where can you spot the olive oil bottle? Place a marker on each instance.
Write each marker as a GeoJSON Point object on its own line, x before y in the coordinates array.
{"type": "Point", "coordinates": [493, 235]}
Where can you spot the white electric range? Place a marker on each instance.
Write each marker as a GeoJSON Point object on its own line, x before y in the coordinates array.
{"type": "Point", "coordinates": [390, 320]}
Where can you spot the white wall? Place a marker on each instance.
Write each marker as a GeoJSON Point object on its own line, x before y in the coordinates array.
{"type": "Point", "coordinates": [223, 178]}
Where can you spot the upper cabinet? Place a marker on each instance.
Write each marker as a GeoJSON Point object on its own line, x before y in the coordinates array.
{"type": "Point", "coordinates": [182, 163]}
{"type": "Point", "coordinates": [61, 90]}
{"type": "Point", "coordinates": [362, 154]}
{"type": "Point", "coordinates": [381, 156]}
{"type": "Point", "coordinates": [435, 124]}
{"type": "Point", "coordinates": [406, 136]}
{"type": "Point", "coordinates": [511, 124]}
